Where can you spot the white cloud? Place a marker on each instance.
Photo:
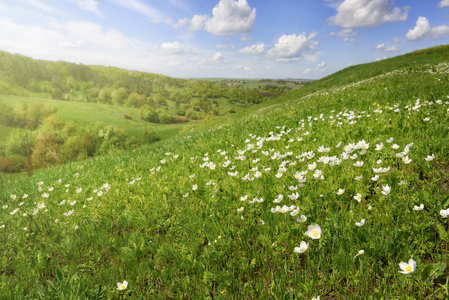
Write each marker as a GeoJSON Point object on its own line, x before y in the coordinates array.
{"type": "Point", "coordinates": [89, 5]}
{"type": "Point", "coordinates": [198, 22]}
{"type": "Point", "coordinates": [443, 3]}
{"type": "Point", "coordinates": [380, 46]}
{"type": "Point", "coordinates": [321, 65]}
{"type": "Point", "coordinates": [173, 48]}
{"type": "Point", "coordinates": [291, 47]}
{"type": "Point", "coordinates": [70, 45]}
{"type": "Point", "coordinates": [247, 69]}
{"type": "Point", "coordinates": [392, 48]}
{"type": "Point", "coordinates": [346, 32]}
{"type": "Point", "coordinates": [221, 46]}
{"type": "Point", "coordinates": [422, 30]}
{"type": "Point", "coordinates": [395, 41]}
{"type": "Point", "coordinates": [181, 23]}
{"type": "Point", "coordinates": [254, 49]}
{"type": "Point", "coordinates": [231, 17]}
{"type": "Point", "coordinates": [218, 57]}
{"type": "Point", "coordinates": [307, 71]}
{"type": "Point", "coordinates": [362, 13]}
{"type": "Point", "coordinates": [42, 6]}
{"type": "Point", "coordinates": [142, 8]}
{"type": "Point", "coordinates": [244, 38]}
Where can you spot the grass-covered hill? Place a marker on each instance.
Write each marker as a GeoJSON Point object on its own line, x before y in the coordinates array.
{"type": "Point", "coordinates": [340, 190]}
{"type": "Point", "coordinates": [60, 108]}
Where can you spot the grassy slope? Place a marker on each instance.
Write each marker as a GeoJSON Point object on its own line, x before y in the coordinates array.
{"type": "Point", "coordinates": [84, 113]}
{"type": "Point", "coordinates": [170, 240]}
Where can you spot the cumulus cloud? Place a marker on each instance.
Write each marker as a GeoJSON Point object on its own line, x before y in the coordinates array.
{"type": "Point", "coordinates": [198, 22]}
{"type": "Point", "coordinates": [443, 3]}
{"type": "Point", "coordinates": [380, 46]}
{"type": "Point", "coordinates": [231, 17]}
{"type": "Point", "coordinates": [422, 30]}
{"type": "Point", "coordinates": [307, 71]}
{"type": "Point", "coordinates": [254, 49]}
{"type": "Point", "coordinates": [363, 13]}
{"type": "Point", "coordinates": [228, 17]}
{"type": "Point", "coordinates": [173, 48]}
{"type": "Point", "coordinates": [291, 47]}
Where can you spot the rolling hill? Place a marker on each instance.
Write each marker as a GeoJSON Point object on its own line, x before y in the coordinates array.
{"type": "Point", "coordinates": [338, 189]}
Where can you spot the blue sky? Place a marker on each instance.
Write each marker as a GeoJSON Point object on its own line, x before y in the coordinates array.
{"type": "Point", "coordinates": [222, 38]}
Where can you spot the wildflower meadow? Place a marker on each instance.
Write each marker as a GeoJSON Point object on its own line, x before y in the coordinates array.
{"type": "Point", "coordinates": [341, 192]}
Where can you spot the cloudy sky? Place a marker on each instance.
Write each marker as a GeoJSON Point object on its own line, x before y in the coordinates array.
{"type": "Point", "coordinates": [223, 38]}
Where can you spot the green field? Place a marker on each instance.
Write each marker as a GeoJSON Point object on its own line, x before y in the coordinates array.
{"type": "Point", "coordinates": [83, 113]}
{"type": "Point", "coordinates": [339, 189]}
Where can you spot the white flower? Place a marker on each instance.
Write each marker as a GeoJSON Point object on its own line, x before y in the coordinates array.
{"type": "Point", "coordinates": [386, 190]}
{"type": "Point", "coordinates": [122, 285]}
{"type": "Point", "coordinates": [358, 197]}
{"type": "Point", "coordinates": [390, 140]}
{"type": "Point", "coordinates": [5, 206]}
{"type": "Point", "coordinates": [340, 192]}
{"type": "Point", "coordinates": [13, 197]}
{"type": "Point", "coordinates": [301, 219]}
{"type": "Point", "coordinates": [444, 213]}
{"type": "Point", "coordinates": [379, 146]}
{"type": "Point", "coordinates": [407, 268]}
{"type": "Point", "coordinates": [41, 205]}
{"type": "Point", "coordinates": [379, 161]}
{"type": "Point", "coordinates": [195, 187]}
{"type": "Point", "coordinates": [79, 190]}
{"type": "Point", "coordinates": [244, 198]}
{"type": "Point", "coordinates": [421, 207]}
{"type": "Point", "coordinates": [69, 213]}
{"type": "Point", "coordinates": [278, 199]}
{"type": "Point", "coordinates": [406, 160]}
{"type": "Point", "coordinates": [240, 209]}
{"type": "Point", "coordinates": [14, 211]}
{"type": "Point", "coordinates": [361, 223]}
{"type": "Point", "coordinates": [262, 222]}
{"type": "Point", "coordinates": [313, 231]}
{"type": "Point", "coordinates": [430, 157]}
{"type": "Point", "coordinates": [358, 164]}
{"type": "Point", "coordinates": [293, 196]}
{"type": "Point", "coordinates": [359, 253]}
{"type": "Point", "coordinates": [303, 246]}
{"type": "Point", "coordinates": [395, 146]}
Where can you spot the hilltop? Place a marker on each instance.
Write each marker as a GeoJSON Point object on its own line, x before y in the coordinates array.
{"type": "Point", "coordinates": [337, 189]}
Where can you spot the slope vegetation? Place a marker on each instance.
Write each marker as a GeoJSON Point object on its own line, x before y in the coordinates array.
{"type": "Point", "coordinates": [339, 191]}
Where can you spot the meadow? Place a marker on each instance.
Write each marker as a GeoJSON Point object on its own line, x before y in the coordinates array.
{"type": "Point", "coordinates": [87, 114]}
{"type": "Point", "coordinates": [337, 190]}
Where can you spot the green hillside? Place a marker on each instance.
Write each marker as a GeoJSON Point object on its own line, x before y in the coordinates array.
{"type": "Point", "coordinates": [338, 189]}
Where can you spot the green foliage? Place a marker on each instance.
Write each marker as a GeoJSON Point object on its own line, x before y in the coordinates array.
{"type": "Point", "coordinates": [196, 216]}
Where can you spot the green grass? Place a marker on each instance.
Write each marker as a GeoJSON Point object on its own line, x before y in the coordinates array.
{"type": "Point", "coordinates": [83, 113]}
{"type": "Point", "coordinates": [175, 220]}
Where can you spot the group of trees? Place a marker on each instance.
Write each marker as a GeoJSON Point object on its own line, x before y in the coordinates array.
{"type": "Point", "coordinates": [114, 86]}
{"type": "Point", "coordinates": [42, 139]}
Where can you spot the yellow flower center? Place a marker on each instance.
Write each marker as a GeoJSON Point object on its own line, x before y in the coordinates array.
{"type": "Point", "coordinates": [408, 268]}
{"type": "Point", "coordinates": [315, 233]}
